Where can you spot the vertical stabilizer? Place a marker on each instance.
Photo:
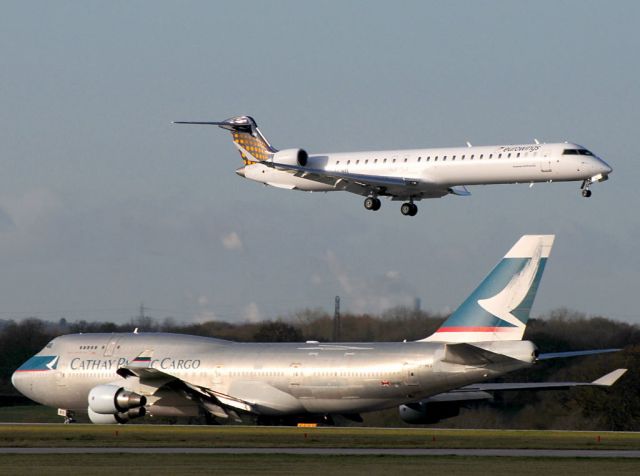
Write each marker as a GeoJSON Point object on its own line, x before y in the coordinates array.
{"type": "Point", "coordinates": [499, 307]}
{"type": "Point", "coordinates": [251, 144]}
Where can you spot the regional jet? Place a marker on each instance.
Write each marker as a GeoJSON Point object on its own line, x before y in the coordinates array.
{"type": "Point", "coordinates": [409, 175]}
{"type": "Point", "coordinates": [121, 376]}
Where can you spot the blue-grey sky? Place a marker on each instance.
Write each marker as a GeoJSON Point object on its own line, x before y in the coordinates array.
{"type": "Point", "coordinates": [104, 204]}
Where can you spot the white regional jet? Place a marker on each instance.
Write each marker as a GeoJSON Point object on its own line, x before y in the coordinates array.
{"type": "Point", "coordinates": [409, 175]}
{"type": "Point", "coordinates": [117, 377]}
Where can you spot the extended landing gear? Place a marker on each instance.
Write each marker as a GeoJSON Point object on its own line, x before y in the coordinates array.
{"type": "Point", "coordinates": [409, 209]}
{"type": "Point", "coordinates": [372, 203]}
{"type": "Point", "coordinates": [69, 416]}
{"type": "Point", "coordinates": [586, 192]}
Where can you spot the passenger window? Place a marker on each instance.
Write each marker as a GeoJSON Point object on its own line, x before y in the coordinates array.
{"type": "Point", "coordinates": [419, 159]}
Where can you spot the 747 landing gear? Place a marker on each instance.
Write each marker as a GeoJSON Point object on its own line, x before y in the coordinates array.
{"type": "Point", "coordinates": [586, 192]}
{"type": "Point", "coordinates": [409, 209]}
{"type": "Point", "coordinates": [372, 203]}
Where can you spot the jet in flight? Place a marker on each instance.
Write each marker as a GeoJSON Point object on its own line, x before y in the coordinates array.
{"type": "Point", "coordinates": [121, 376]}
{"type": "Point", "coordinates": [409, 175]}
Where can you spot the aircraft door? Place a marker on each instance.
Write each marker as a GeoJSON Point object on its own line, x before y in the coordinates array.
{"type": "Point", "coordinates": [410, 374]}
{"type": "Point", "coordinates": [111, 346]}
{"type": "Point", "coordinates": [545, 164]}
{"type": "Point", "coordinates": [217, 375]}
{"type": "Point", "coordinates": [296, 374]}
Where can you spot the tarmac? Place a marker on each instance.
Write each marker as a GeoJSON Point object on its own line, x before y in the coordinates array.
{"type": "Point", "coordinates": [336, 451]}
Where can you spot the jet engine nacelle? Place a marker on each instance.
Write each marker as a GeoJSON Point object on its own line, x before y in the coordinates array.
{"type": "Point", "coordinates": [115, 418]}
{"type": "Point", "coordinates": [111, 399]}
{"type": "Point", "coordinates": [428, 412]}
{"type": "Point", "coordinates": [291, 157]}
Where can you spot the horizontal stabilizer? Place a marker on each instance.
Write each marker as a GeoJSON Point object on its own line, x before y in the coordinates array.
{"type": "Point", "coordinates": [610, 378]}
{"type": "Point", "coordinates": [574, 353]}
{"type": "Point", "coordinates": [481, 391]}
{"type": "Point", "coordinates": [202, 123]}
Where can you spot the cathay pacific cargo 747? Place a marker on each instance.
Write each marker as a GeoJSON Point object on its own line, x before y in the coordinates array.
{"type": "Point", "coordinates": [409, 175]}
{"type": "Point", "coordinates": [118, 377]}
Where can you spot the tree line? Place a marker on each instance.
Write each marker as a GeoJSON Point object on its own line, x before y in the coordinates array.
{"type": "Point", "coordinates": [616, 408]}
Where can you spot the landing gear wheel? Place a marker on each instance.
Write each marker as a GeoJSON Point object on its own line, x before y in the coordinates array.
{"type": "Point", "coordinates": [586, 193]}
{"type": "Point", "coordinates": [372, 203]}
{"type": "Point", "coordinates": [409, 209]}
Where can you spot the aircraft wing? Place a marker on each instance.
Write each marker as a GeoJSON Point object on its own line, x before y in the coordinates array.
{"type": "Point", "coordinates": [248, 396]}
{"type": "Point", "coordinates": [481, 391]}
{"type": "Point", "coordinates": [362, 184]}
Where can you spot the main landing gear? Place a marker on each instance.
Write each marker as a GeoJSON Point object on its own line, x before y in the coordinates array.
{"type": "Point", "coordinates": [409, 209]}
{"type": "Point", "coordinates": [586, 192]}
{"type": "Point", "coordinates": [372, 203]}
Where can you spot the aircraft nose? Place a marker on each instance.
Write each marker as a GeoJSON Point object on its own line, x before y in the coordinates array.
{"type": "Point", "coordinates": [606, 168]}
{"type": "Point", "coordinates": [17, 380]}
{"type": "Point", "coordinates": [240, 171]}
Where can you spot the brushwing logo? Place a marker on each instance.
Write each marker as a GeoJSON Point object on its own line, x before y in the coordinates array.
{"type": "Point", "coordinates": [54, 363]}
{"type": "Point", "coordinates": [502, 304]}
{"type": "Point", "coordinates": [39, 363]}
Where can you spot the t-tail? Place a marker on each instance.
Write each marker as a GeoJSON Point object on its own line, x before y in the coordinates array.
{"type": "Point", "coordinates": [251, 144]}
{"type": "Point", "coordinates": [499, 307]}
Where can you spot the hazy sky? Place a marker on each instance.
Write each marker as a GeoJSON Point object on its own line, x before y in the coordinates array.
{"type": "Point", "coordinates": [104, 204]}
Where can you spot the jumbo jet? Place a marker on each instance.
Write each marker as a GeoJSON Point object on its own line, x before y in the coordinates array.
{"type": "Point", "coordinates": [409, 175]}
{"type": "Point", "coordinates": [117, 377]}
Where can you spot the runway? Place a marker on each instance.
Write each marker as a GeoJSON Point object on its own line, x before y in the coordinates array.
{"type": "Point", "coordinates": [337, 451]}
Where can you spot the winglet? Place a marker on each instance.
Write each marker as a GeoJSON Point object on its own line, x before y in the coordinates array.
{"type": "Point", "coordinates": [610, 378]}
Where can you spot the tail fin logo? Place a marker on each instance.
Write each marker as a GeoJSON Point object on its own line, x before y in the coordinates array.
{"type": "Point", "coordinates": [252, 149]}
{"type": "Point", "coordinates": [513, 294]}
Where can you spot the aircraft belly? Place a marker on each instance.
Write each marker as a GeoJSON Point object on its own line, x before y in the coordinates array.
{"type": "Point", "coordinates": [280, 179]}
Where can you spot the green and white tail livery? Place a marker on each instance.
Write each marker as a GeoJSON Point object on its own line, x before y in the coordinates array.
{"type": "Point", "coordinates": [499, 308]}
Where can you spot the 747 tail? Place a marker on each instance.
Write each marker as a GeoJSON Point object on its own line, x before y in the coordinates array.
{"type": "Point", "coordinates": [499, 307]}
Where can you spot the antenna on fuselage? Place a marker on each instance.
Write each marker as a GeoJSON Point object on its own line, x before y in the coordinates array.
{"type": "Point", "coordinates": [469, 144]}
{"type": "Point", "coordinates": [537, 141]}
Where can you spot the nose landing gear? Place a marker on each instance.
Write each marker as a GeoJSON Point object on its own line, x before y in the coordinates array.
{"type": "Point", "coordinates": [586, 192]}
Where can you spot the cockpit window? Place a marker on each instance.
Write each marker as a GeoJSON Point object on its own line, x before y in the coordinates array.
{"type": "Point", "coordinates": [576, 152]}
{"type": "Point", "coordinates": [49, 345]}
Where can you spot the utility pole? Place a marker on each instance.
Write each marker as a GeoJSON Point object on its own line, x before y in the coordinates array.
{"type": "Point", "coordinates": [141, 316]}
{"type": "Point", "coordinates": [336, 320]}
